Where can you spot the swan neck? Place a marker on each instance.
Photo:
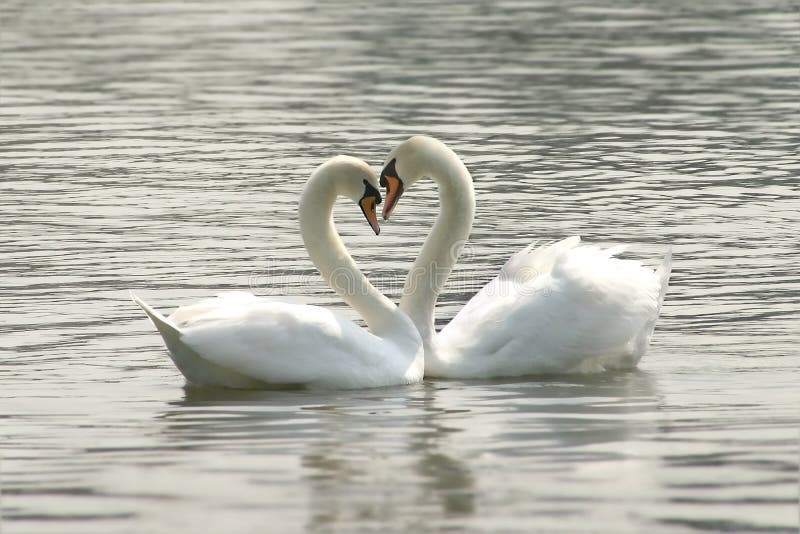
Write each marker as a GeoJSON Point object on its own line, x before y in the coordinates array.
{"type": "Point", "coordinates": [444, 243]}
{"type": "Point", "coordinates": [337, 267]}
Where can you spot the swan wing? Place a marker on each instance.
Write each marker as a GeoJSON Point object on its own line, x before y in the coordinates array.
{"type": "Point", "coordinates": [521, 269]}
{"type": "Point", "coordinates": [555, 309]}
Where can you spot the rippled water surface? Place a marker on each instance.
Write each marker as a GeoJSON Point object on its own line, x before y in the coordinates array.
{"type": "Point", "coordinates": [161, 146]}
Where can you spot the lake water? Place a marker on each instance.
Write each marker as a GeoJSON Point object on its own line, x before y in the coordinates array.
{"type": "Point", "coordinates": [160, 147]}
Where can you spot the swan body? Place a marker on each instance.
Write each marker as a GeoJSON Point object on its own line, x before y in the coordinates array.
{"type": "Point", "coordinates": [239, 340]}
{"type": "Point", "coordinates": [558, 308]}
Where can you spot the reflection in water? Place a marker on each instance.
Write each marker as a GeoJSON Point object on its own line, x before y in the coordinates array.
{"type": "Point", "coordinates": [444, 478]}
{"type": "Point", "coordinates": [339, 454]}
{"type": "Point", "coordinates": [414, 456]}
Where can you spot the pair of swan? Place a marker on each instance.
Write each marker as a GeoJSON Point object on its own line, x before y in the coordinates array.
{"type": "Point", "coordinates": [553, 309]}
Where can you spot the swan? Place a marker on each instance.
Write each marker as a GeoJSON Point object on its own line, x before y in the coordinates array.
{"type": "Point", "coordinates": [558, 308]}
{"type": "Point", "coordinates": [238, 340]}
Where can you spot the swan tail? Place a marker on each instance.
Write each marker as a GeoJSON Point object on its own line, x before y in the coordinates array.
{"type": "Point", "coordinates": [643, 340]}
{"type": "Point", "coordinates": [197, 369]}
{"type": "Point", "coordinates": [663, 272]}
{"type": "Point", "coordinates": [168, 331]}
{"type": "Point", "coordinates": [630, 356]}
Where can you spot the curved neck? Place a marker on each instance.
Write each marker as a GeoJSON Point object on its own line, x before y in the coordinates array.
{"type": "Point", "coordinates": [443, 245]}
{"type": "Point", "coordinates": [337, 267]}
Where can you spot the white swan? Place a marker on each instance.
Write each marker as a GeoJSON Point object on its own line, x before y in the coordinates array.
{"type": "Point", "coordinates": [242, 341]}
{"type": "Point", "coordinates": [558, 308]}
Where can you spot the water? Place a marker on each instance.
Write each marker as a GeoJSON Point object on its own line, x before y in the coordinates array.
{"type": "Point", "coordinates": [161, 146]}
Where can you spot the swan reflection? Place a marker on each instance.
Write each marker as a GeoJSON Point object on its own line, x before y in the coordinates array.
{"type": "Point", "coordinates": [436, 454]}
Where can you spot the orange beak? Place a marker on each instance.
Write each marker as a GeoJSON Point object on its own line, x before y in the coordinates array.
{"type": "Point", "coordinates": [394, 190]}
{"type": "Point", "coordinates": [368, 208]}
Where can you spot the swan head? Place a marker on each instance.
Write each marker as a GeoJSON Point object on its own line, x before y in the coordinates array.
{"type": "Point", "coordinates": [403, 167]}
{"type": "Point", "coordinates": [355, 179]}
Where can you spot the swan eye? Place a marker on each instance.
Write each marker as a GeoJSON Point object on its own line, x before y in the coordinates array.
{"type": "Point", "coordinates": [390, 170]}
{"type": "Point", "coordinates": [370, 191]}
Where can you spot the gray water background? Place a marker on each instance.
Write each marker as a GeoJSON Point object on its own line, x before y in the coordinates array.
{"type": "Point", "coordinates": [161, 146]}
